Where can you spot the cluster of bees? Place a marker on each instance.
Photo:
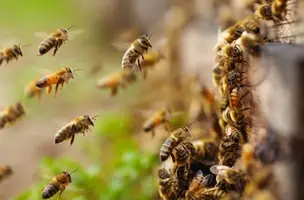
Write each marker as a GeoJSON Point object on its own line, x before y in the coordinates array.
{"type": "Point", "coordinates": [228, 162]}
{"type": "Point", "coordinates": [220, 165]}
{"type": "Point", "coordinates": [136, 57]}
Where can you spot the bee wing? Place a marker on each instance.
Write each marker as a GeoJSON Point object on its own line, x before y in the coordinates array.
{"type": "Point", "coordinates": [41, 35]}
{"type": "Point", "coordinates": [73, 34]}
{"type": "Point", "coordinates": [121, 46]}
{"type": "Point", "coordinates": [217, 169]}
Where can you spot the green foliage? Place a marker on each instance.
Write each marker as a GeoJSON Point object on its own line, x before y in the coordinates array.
{"type": "Point", "coordinates": [125, 174]}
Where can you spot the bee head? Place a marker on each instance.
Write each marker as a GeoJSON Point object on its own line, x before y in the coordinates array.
{"type": "Point", "coordinates": [89, 120]}
{"type": "Point", "coordinates": [70, 72]}
{"type": "Point", "coordinates": [19, 50]}
{"type": "Point", "coordinates": [235, 51]}
{"type": "Point", "coordinates": [68, 176]}
{"type": "Point", "coordinates": [64, 30]}
{"type": "Point", "coordinates": [145, 40]}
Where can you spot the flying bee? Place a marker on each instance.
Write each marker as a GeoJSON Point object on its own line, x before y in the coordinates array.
{"type": "Point", "coordinates": [8, 54]}
{"type": "Point", "coordinates": [116, 80]}
{"type": "Point", "coordinates": [166, 183]}
{"type": "Point", "coordinates": [31, 90]}
{"type": "Point", "coordinates": [59, 77]}
{"type": "Point", "coordinates": [150, 59]}
{"type": "Point", "coordinates": [78, 125]}
{"type": "Point", "coordinates": [198, 185]}
{"type": "Point", "coordinates": [177, 136]}
{"type": "Point", "coordinates": [10, 115]}
{"type": "Point", "coordinates": [229, 151]}
{"type": "Point", "coordinates": [58, 183]}
{"type": "Point", "coordinates": [5, 171]}
{"type": "Point", "coordinates": [135, 51]}
{"type": "Point", "coordinates": [206, 151]}
{"type": "Point", "coordinates": [53, 40]}
{"type": "Point", "coordinates": [230, 175]}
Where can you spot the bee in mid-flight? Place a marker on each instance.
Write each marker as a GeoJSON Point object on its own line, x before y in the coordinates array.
{"type": "Point", "coordinates": [5, 171]}
{"type": "Point", "coordinates": [116, 80]}
{"type": "Point", "coordinates": [176, 137]}
{"type": "Point", "coordinates": [149, 60]}
{"type": "Point", "coordinates": [78, 125]}
{"type": "Point", "coordinates": [135, 51]}
{"type": "Point", "coordinates": [59, 77]}
{"type": "Point", "coordinates": [8, 54]}
{"type": "Point", "coordinates": [159, 117]}
{"type": "Point", "coordinates": [11, 114]}
{"type": "Point", "coordinates": [53, 40]}
{"type": "Point", "coordinates": [58, 183]}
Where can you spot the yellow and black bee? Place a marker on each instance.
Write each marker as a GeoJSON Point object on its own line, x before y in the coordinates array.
{"type": "Point", "coordinates": [166, 185]}
{"type": "Point", "coordinates": [58, 183]}
{"type": "Point", "coordinates": [8, 54]}
{"type": "Point", "coordinates": [53, 40]}
{"type": "Point", "coordinates": [11, 114]}
{"type": "Point", "coordinates": [133, 53]}
{"type": "Point", "coordinates": [78, 125]}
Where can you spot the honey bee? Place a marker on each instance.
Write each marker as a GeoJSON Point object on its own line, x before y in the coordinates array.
{"type": "Point", "coordinates": [234, 134]}
{"type": "Point", "coordinates": [229, 152]}
{"type": "Point", "coordinates": [217, 75]}
{"type": "Point", "coordinates": [182, 155]}
{"type": "Point", "coordinates": [206, 151]}
{"type": "Point", "coordinates": [135, 51]}
{"type": "Point", "coordinates": [230, 175]}
{"type": "Point", "coordinates": [150, 59]}
{"type": "Point", "coordinates": [116, 80]}
{"type": "Point", "coordinates": [31, 90]}
{"type": "Point", "coordinates": [59, 77]}
{"type": "Point", "coordinates": [251, 24]}
{"type": "Point", "coordinates": [233, 32]}
{"type": "Point", "coordinates": [232, 53]}
{"type": "Point", "coordinates": [166, 183]}
{"type": "Point", "coordinates": [11, 114]}
{"type": "Point", "coordinates": [214, 193]}
{"type": "Point", "coordinates": [279, 8]}
{"type": "Point", "coordinates": [234, 116]}
{"type": "Point", "coordinates": [159, 117]}
{"type": "Point", "coordinates": [58, 183]}
{"type": "Point", "coordinates": [5, 171]}
{"type": "Point", "coordinates": [177, 136]}
{"type": "Point", "coordinates": [53, 40]}
{"type": "Point", "coordinates": [264, 12]}
{"type": "Point", "coordinates": [78, 125]}
{"type": "Point", "coordinates": [8, 54]}
{"type": "Point", "coordinates": [198, 185]}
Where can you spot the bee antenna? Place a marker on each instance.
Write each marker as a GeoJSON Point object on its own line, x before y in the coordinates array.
{"type": "Point", "coordinates": [75, 74]}
{"type": "Point", "coordinates": [70, 27]}
{"type": "Point", "coordinates": [188, 125]}
{"type": "Point", "coordinates": [73, 171]}
{"type": "Point", "coordinates": [151, 34]}
{"type": "Point", "coordinates": [95, 117]}
{"type": "Point", "coordinates": [78, 69]}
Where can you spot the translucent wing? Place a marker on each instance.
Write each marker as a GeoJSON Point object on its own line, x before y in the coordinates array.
{"type": "Point", "coordinates": [216, 169]}
{"type": "Point", "coordinates": [121, 46]}
{"type": "Point", "coordinates": [41, 35]}
{"type": "Point", "coordinates": [73, 34]}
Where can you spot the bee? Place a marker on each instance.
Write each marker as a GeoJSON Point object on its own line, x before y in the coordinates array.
{"type": "Point", "coordinates": [31, 90]}
{"type": "Point", "coordinates": [232, 53]}
{"type": "Point", "coordinates": [161, 116]}
{"type": "Point", "coordinates": [234, 134]}
{"type": "Point", "coordinates": [214, 193]}
{"type": "Point", "coordinates": [230, 175]}
{"type": "Point", "coordinates": [206, 151]}
{"type": "Point", "coordinates": [229, 151]}
{"type": "Point", "coordinates": [198, 185]}
{"type": "Point", "coordinates": [59, 77]}
{"type": "Point", "coordinates": [166, 184]}
{"type": "Point", "coordinates": [58, 183]}
{"type": "Point", "coordinates": [233, 32]}
{"type": "Point", "coordinates": [250, 43]}
{"type": "Point", "coordinates": [116, 80]}
{"type": "Point", "coordinates": [182, 155]}
{"type": "Point", "coordinates": [8, 54]}
{"type": "Point", "coordinates": [279, 8]}
{"type": "Point", "coordinates": [5, 171]}
{"type": "Point", "coordinates": [251, 24]}
{"type": "Point", "coordinates": [177, 136]}
{"type": "Point", "coordinates": [11, 114]}
{"type": "Point", "coordinates": [136, 50]}
{"type": "Point", "coordinates": [150, 59]}
{"type": "Point", "coordinates": [217, 75]}
{"type": "Point", "coordinates": [264, 12]}
{"type": "Point", "coordinates": [78, 125]}
{"type": "Point", "coordinates": [53, 40]}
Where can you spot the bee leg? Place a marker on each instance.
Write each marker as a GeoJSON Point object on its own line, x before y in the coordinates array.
{"type": "Point", "coordinates": [114, 91]}
{"type": "Point", "coordinates": [60, 81]}
{"type": "Point", "coordinates": [60, 192]}
{"type": "Point", "coordinates": [139, 66]}
{"type": "Point", "coordinates": [49, 89]}
{"type": "Point", "coordinates": [59, 43]}
{"type": "Point", "coordinates": [72, 140]}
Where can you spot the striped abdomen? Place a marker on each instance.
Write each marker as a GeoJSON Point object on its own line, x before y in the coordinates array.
{"type": "Point", "coordinates": [47, 44]}
{"type": "Point", "coordinates": [50, 190]}
{"type": "Point", "coordinates": [167, 148]}
{"type": "Point", "coordinates": [64, 133]}
{"type": "Point", "coordinates": [43, 82]}
{"type": "Point", "coordinates": [129, 58]}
